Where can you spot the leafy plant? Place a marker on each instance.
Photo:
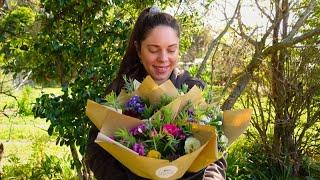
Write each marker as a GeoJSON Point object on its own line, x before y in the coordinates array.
{"type": "Point", "coordinates": [24, 102]}
{"type": "Point", "coordinates": [39, 166]}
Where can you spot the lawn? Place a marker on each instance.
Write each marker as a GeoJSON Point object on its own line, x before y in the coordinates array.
{"type": "Point", "coordinates": [27, 145]}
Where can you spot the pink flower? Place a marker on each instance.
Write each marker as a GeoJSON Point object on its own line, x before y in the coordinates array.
{"type": "Point", "coordinates": [172, 129]}
{"type": "Point", "coordinates": [153, 133]}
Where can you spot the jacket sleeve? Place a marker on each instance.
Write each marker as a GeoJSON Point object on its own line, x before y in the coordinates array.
{"type": "Point", "coordinates": [216, 170]}
{"type": "Point", "coordinates": [102, 164]}
{"type": "Point", "coordinates": [180, 77]}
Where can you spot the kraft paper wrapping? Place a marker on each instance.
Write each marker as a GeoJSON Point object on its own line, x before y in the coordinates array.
{"type": "Point", "coordinates": [109, 120]}
{"type": "Point", "coordinates": [150, 90]}
{"type": "Point", "coordinates": [235, 123]}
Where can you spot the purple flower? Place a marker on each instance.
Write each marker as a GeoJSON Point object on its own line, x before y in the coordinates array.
{"type": "Point", "coordinates": [136, 104]}
{"type": "Point", "coordinates": [140, 129]}
{"type": "Point", "coordinates": [139, 148]}
{"type": "Point", "coordinates": [190, 112]}
{"type": "Point", "coordinates": [182, 136]}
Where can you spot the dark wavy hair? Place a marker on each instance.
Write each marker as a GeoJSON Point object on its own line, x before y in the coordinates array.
{"type": "Point", "coordinates": [131, 65]}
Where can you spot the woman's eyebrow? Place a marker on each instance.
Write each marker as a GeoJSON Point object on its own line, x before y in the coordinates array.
{"type": "Point", "coordinates": [155, 45]}
{"type": "Point", "coordinates": [173, 45]}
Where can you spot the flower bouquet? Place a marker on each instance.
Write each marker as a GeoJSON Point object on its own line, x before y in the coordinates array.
{"type": "Point", "coordinates": [158, 133]}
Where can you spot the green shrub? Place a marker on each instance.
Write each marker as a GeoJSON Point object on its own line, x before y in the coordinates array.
{"type": "Point", "coordinates": [246, 160]}
{"type": "Point", "coordinates": [40, 165]}
{"type": "Point", "coordinates": [24, 102]}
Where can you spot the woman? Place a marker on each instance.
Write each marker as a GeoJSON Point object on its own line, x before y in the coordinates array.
{"type": "Point", "coordinates": [153, 50]}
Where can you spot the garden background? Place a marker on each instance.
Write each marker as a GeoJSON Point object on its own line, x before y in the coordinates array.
{"type": "Point", "coordinates": [263, 55]}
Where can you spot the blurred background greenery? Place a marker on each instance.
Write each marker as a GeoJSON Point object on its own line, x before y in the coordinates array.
{"type": "Point", "coordinates": [54, 55]}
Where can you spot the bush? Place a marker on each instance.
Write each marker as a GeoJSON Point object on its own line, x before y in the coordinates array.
{"type": "Point", "coordinates": [246, 160]}
{"type": "Point", "coordinates": [39, 166]}
{"type": "Point", "coordinates": [24, 102]}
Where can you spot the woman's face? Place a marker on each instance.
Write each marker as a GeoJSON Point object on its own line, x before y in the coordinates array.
{"type": "Point", "coordinates": [159, 52]}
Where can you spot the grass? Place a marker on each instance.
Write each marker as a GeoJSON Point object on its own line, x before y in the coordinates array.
{"type": "Point", "coordinates": [18, 134]}
{"type": "Point", "coordinates": [25, 139]}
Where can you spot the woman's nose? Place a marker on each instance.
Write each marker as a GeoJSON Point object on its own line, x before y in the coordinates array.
{"type": "Point", "coordinates": [163, 56]}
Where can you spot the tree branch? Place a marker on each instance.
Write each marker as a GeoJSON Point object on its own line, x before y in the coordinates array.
{"type": "Point", "coordinates": [301, 20]}
{"type": "Point", "coordinates": [263, 11]}
{"type": "Point", "coordinates": [287, 42]}
{"type": "Point", "coordinates": [215, 41]}
{"type": "Point", "coordinates": [242, 33]}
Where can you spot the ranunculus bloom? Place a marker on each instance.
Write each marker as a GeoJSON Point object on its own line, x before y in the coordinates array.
{"type": "Point", "coordinates": [171, 129]}
{"type": "Point", "coordinates": [139, 148]}
{"type": "Point", "coordinates": [154, 154]}
{"type": "Point", "coordinates": [191, 144]}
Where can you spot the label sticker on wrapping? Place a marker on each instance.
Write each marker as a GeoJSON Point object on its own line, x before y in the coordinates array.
{"type": "Point", "coordinates": [166, 172]}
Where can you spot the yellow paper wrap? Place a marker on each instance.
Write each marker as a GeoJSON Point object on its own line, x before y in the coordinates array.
{"type": "Point", "coordinates": [109, 120]}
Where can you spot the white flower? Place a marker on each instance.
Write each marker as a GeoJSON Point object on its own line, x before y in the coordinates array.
{"type": "Point", "coordinates": [191, 144]}
{"type": "Point", "coordinates": [224, 139]}
{"type": "Point", "coordinates": [219, 123]}
{"type": "Point", "coordinates": [205, 119]}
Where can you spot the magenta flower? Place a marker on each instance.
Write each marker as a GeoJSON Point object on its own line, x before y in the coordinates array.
{"type": "Point", "coordinates": [139, 148]}
{"type": "Point", "coordinates": [171, 129]}
{"type": "Point", "coordinates": [140, 129]}
{"type": "Point", "coordinates": [182, 136]}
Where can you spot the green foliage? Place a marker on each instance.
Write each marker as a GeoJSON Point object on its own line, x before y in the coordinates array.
{"type": "Point", "coordinates": [16, 21]}
{"type": "Point", "coordinates": [66, 112]}
{"type": "Point", "coordinates": [112, 100]}
{"type": "Point", "coordinates": [247, 161]}
{"type": "Point", "coordinates": [188, 34]}
{"type": "Point", "coordinates": [125, 137]}
{"type": "Point", "coordinates": [129, 85]}
{"type": "Point", "coordinates": [24, 102]}
{"type": "Point", "coordinates": [15, 39]}
{"type": "Point", "coordinates": [39, 166]}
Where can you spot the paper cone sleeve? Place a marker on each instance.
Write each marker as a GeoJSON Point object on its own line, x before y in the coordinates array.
{"type": "Point", "coordinates": [150, 90]}
{"type": "Point", "coordinates": [123, 97]}
{"type": "Point", "coordinates": [194, 95]}
{"type": "Point", "coordinates": [109, 121]}
{"type": "Point", "coordinates": [235, 123]}
{"type": "Point", "coordinates": [149, 167]}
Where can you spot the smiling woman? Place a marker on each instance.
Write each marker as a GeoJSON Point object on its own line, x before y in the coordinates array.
{"type": "Point", "coordinates": [153, 50]}
{"type": "Point", "coordinates": [159, 53]}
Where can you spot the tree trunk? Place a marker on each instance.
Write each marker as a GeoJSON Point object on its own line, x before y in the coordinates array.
{"type": "Point", "coordinates": [275, 82]}
{"type": "Point", "coordinates": [77, 161]}
{"type": "Point", "coordinates": [283, 140]}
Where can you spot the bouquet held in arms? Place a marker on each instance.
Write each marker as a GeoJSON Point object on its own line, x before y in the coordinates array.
{"type": "Point", "coordinates": [159, 133]}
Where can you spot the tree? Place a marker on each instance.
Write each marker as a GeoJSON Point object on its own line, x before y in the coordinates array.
{"type": "Point", "coordinates": [287, 76]}
{"type": "Point", "coordinates": [82, 47]}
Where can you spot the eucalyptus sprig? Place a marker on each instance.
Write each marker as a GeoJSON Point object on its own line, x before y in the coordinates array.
{"type": "Point", "coordinates": [111, 100]}
{"type": "Point", "coordinates": [129, 85]}
{"type": "Point", "coordinates": [125, 137]}
{"type": "Point", "coordinates": [184, 89]}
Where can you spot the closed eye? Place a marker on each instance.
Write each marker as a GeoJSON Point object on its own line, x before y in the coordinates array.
{"type": "Point", "coordinates": [172, 50]}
